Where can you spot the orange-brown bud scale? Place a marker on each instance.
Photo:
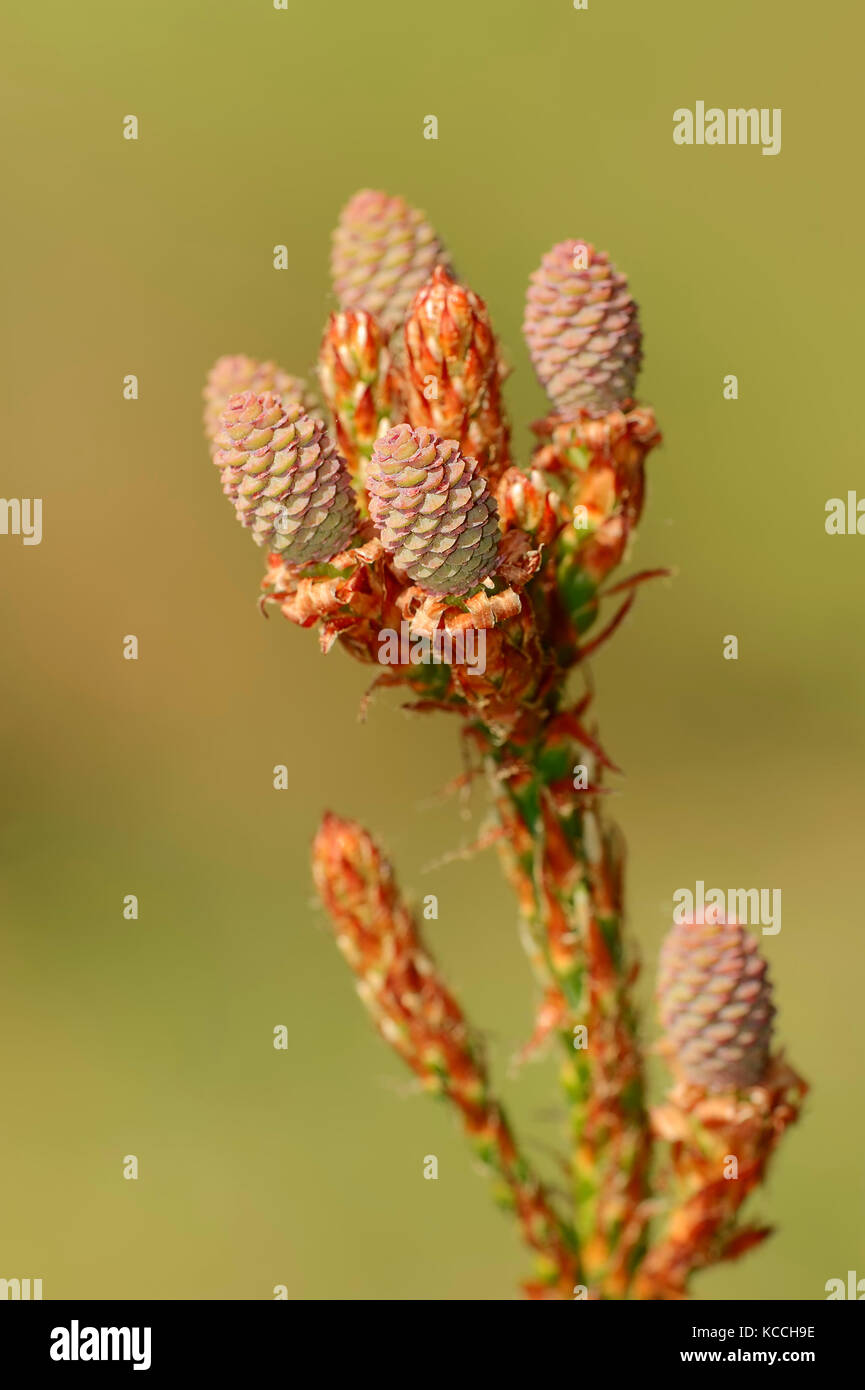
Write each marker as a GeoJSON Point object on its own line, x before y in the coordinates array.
{"type": "Point", "coordinates": [597, 466]}
{"type": "Point", "coordinates": [359, 384]}
{"type": "Point", "coordinates": [453, 372]}
{"type": "Point", "coordinates": [417, 1014]}
{"type": "Point", "coordinates": [704, 1132]}
{"type": "Point", "coordinates": [230, 376]}
{"type": "Point", "coordinates": [286, 479]}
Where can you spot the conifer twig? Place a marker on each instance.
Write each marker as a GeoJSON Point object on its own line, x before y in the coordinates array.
{"type": "Point", "coordinates": [411, 517]}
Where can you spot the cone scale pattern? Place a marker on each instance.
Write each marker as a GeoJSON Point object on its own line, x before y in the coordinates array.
{"type": "Point", "coordinates": [433, 511]}
{"type": "Point", "coordinates": [286, 479]}
{"type": "Point", "coordinates": [715, 1004]}
{"type": "Point", "coordinates": [582, 330]}
{"type": "Point", "coordinates": [383, 251]}
{"type": "Point", "coordinates": [231, 375]}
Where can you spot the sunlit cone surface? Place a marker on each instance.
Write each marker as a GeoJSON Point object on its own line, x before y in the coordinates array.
{"type": "Point", "coordinates": [383, 251]}
{"type": "Point", "coordinates": [288, 482]}
{"type": "Point", "coordinates": [230, 375]}
{"type": "Point", "coordinates": [715, 1004]}
{"type": "Point", "coordinates": [414, 1010]}
{"type": "Point", "coordinates": [582, 329]}
{"type": "Point", "coordinates": [433, 511]}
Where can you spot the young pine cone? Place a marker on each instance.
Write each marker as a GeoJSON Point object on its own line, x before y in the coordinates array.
{"type": "Point", "coordinates": [433, 511]}
{"type": "Point", "coordinates": [286, 479]}
{"type": "Point", "coordinates": [715, 1004]}
{"type": "Point", "coordinates": [230, 375]}
{"type": "Point", "coordinates": [582, 329]}
{"type": "Point", "coordinates": [383, 251]}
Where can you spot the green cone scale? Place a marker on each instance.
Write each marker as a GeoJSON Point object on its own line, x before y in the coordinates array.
{"type": "Point", "coordinates": [715, 1004]}
{"type": "Point", "coordinates": [433, 511]}
{"type": "Point", "coordinates": [288, 482]}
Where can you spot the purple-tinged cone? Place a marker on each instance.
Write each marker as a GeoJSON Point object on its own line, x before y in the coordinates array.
{"type": "Point", "coordinates": [288, 482]}
{"type": "Point", "coordinates": [582, 330]}
{"type": "Point", "coordinates": [715, 1004]}
{"type": "Point", "coordinates": [383, 251]}
{"type": "Point", "coordinates": [232, 374]}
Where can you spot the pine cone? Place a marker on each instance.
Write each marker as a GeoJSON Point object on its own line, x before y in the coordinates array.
{"type": "Point", "coordinates": [453, 370]}
{"type": "Point", "coordinates": [582, 330]}
{"type": "Point", "coordinates": [433, 510]}
{"type": "Point", "coordinates": [358, 384]}
{"type": "Point", "coordinates": [715, 1003]}
{"type": "Point", "coordinates": [230, 375]}
{"type": "Point", "coordinates": [287, 481]}
{"type": "Point", "coordinates": [383, 251]}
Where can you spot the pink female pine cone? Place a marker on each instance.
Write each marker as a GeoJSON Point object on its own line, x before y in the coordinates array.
{"type": "Point", "coordinates": [235, 373]}
{"type": "Point", "coordinates": [288, 483]}
{"type": "Point", "coordinates": [383, 251]}
{"type": "Point", "coordinates": [582, 330]}
{"type": "Point", "coordinates": [453, 371]}
{"type": "Point", "coordinates": [715, 1004]}
{"type": "Point", "coordinates": [433, 510]}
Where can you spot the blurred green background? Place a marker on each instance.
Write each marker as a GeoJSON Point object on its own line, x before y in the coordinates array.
{"type": "Point", "coordinates": [153, 777]}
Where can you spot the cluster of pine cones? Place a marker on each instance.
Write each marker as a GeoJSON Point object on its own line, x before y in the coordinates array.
{"type": "Point", "coordinates": [411, 372]}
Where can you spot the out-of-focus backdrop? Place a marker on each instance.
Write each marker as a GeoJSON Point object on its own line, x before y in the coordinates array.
{"type": "Point", "coordinates": [154, 1037]}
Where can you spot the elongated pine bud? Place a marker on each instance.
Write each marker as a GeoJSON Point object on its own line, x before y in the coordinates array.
{"type": "Point", "coordinates": [358, 384]}
{"type": "Point", "coordinates": [453, 372]}
{"type": "Point", "coordinates": [415, 1012]}
{"type": "Point", "coordinates": [397, 981]}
